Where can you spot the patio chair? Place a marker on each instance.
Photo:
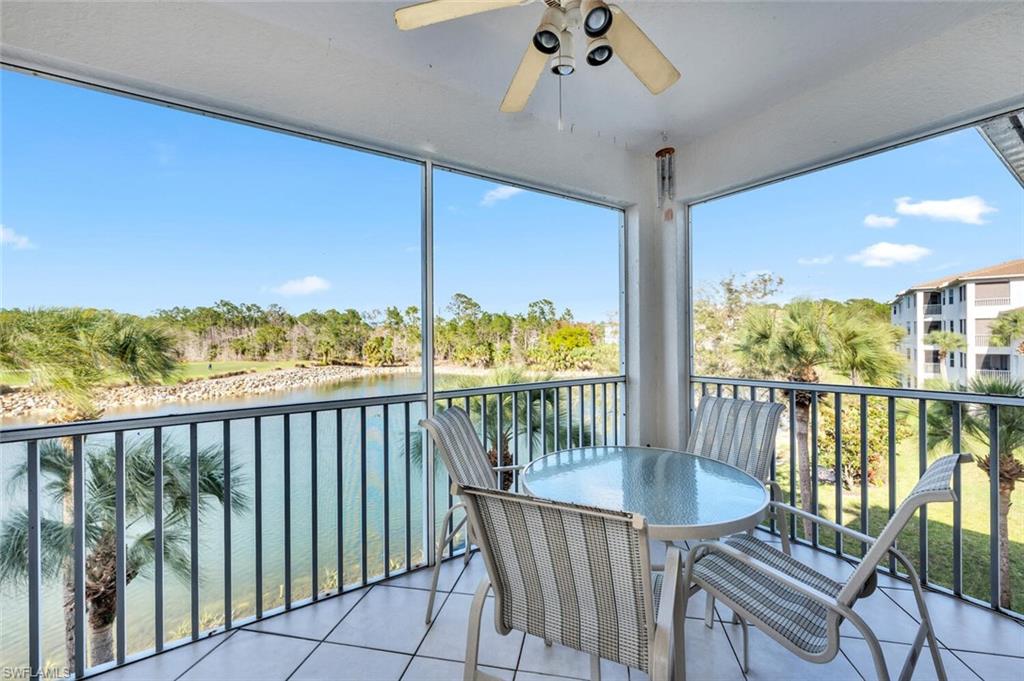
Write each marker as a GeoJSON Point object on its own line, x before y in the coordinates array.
{"type": "Point", "coordinates": [801, 608]}
{"type": "Point", "coordinates": [467, 463]}
{"type": "Point", "coordinates": [577, 576]}
{"type": "Point", "coordinates": [738, 432]}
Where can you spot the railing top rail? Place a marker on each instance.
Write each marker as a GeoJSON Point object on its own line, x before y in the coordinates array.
{"type": "Point", "coordinates": [522, 387]}
{"type": "Point", "coordinates": [901, 393]}
{"type": "Point", "coordinates": [44, 432]}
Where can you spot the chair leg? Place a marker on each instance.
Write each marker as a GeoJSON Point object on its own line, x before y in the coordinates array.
{"type": "Point", "coordinates": [469, 672]}
{"type": "Point", "coordinates": [469, 546]}
{"type": "Point", "coordinates": [709, 611]}
{"type": "Point", "coordinates": [924, 633]}
{"type": "Point", "coordinates": [595, 668]}
{"type": "Point", "coordinates": [437, 563]}
{"type": "Point", "coordinates": [746, 643]}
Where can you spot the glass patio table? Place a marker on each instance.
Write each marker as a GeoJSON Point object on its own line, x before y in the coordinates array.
{"type": "Point", "coordinates": [683, 496]}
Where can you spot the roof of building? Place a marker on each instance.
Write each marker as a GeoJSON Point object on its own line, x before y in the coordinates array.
{"type": "Point", "coordinates": [1009, 269]}
{"type": "Point", "coordinates": [1006, 137]}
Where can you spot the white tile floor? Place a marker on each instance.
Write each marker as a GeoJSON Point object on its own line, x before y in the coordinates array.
{"type": "Point", "coordinates": [378, 633]}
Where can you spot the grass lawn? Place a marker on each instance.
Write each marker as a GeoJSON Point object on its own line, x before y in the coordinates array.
{"type": "Point", "coordinates": [188, 371]}
{"type": "Point", "coordinates": [974, 518]}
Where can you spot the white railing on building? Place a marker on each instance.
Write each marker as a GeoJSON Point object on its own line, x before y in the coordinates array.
{"type": "Point", "coordinates": [932, 367]}
{"type": "Point", "coordinates": [994, 373]}
{"type": "Point", "coordinates": [932, 309]}
{"type": "Point", "coordinates": [992, 301]}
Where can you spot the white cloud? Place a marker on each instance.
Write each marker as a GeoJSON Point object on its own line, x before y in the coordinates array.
{"type": "Point", "coordinates": [499, 194]}
{"type": "Point", "coordinates": [885, 254]}
{"type": "Point", "coordinates": [880, 221]}
{"type": "Point", "coordinates": [817, 260]}
{"type": "Point", "coordinates": [16, 241]}
{"type": "Point", "coordinates": [966, 209]}
{"type": "Point", "coordinates": [303, 286]}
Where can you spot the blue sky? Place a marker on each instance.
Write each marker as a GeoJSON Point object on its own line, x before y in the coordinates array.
{"type": "Point", "coordinates": [937, 207]}
{"type": "Point", "coordinates": [110, 202]}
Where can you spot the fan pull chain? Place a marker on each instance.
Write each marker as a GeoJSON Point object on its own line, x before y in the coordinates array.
{"type": "Point", "coordinates": [561, 126]}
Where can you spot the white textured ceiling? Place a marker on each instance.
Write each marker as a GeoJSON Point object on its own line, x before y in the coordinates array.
{"type": "Point", "coordinates": [736, 58]}
{"type": "Point", "coordinates": [767, 87]}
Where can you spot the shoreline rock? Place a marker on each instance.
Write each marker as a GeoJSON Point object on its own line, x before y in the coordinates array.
{"type": "Point", "coordinates": [24, 401]}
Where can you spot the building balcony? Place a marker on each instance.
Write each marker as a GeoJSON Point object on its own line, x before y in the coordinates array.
{"type": "Point", "coordinates": [988, 302]}
{"type": "Point", "coordinates": [933, 368]}
{"type": "Point", "coordinates": [933, 309]}
{"type": "Point", "coordinates": [994, 373]}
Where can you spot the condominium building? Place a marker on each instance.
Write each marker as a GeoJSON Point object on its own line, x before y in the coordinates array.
{"type": "Point", "coordinates": [967, 304]}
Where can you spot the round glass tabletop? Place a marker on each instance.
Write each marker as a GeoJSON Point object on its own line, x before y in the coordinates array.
{"type": "Point", "coordinates": [683, 496]}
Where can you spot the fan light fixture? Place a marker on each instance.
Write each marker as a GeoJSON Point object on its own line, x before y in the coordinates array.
{"type": "Point", "coordinates": [599, 51]}
{"type": "Point", "coordinates": [546, 37]}
{"type": "Point", "coordinates": [610, 32]}
{"type": "Point", "coordinates": [564, 63]}
{"type": "Point", "coordinates": [597, 19]}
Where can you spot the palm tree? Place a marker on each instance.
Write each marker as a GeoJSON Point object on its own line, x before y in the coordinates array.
{"type": "Point", "coordinates": [864, 348]}
{"type": "Point", "coordinates": [1008, 327]}
{"type": "Point", "coordinates": [946, 342]}
{"type": "Point", "coordinates": [1010, 433]}
{"type": "Point", "coordinates": [69, 353]}
{"type": "Point", "coordinates": [794, 343]}
{"type": "Point", "coordinates": [56, 465]}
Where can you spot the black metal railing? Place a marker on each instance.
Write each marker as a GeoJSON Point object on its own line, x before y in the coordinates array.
{"type": "Point", "coordinates": [316, 499]}
{"type": "Point", "coordinates": [889, 417]}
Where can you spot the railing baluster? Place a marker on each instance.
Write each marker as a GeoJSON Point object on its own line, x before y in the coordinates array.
{"type": "Point", "coordinates": [543, 422]}
{"type": "Point", "coordinates": [387, 492]}
{"type": "Point", "coordinates": [257, 451]}
{"type": "Point", "coordinates": [339, 494]}
{"type": "Point", "coordinates": [529, 425]}
{"type": "Point", "coordinates": [515, 436]}
{"type": "Point", "coordinates": [35, 568]}
{"type": "Point", "coordinates": [408, 491]}
{"type": "Point", "coordinates": [814, 465]}
{"type": "Point", "coordinates": [362, 495]}
{"type": "Point", "coordinates": [193, 474]}
{"type": "Point", "coordinates": [604, 413]}
{"type": "Point", "coordinates": [838, 411]}
{"type": "Point", "coordinates": [957, 505]}
{"type": "Point", "coordinates": [120, 560]}
{"type": "Point", "coordinates": [583, 404]}
{"type": "Point", "coordinates": [288, 511]}
{"type": "Point", "coordinates": [615, 411]}
{"type": "Point", "coordinates": [865, 510]}
{"type": "Point", "coordinates": [771, 462]}
{"type": "Point", "coordinates": [792, 460]}
{"type": "Point", "coordinates": [593, 413]}
{"type": "Point", "coordinates": [994, 577]}
{"type": "Point", "coordinates": [483, 420]}
{"type": "Point", "coordinates": [499, 439]}
{"type": "Point", "coordinates": [314, 525]}
{"type": "Point", "coordinates": [568, 418]}
{"type": "Point", "coordinates": [922, 513]}
{"type": "Point", "coordinates": [226, 461]}
{"type": "Point", "coordinates": [890, 411]}
{"type": "Point", "coordinates": [557, 416]}
{"type": "Point", "coordinates": [78, 462]}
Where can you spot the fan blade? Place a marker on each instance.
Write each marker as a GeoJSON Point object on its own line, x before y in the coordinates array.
{"type": "Point", "coordinates": [436, 11]}
{"type": "Point", "coordinates": [636, 51]}
{"type": "Point", "coordinates": [525, 80]}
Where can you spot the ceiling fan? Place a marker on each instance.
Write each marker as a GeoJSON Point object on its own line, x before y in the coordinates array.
{"type": "Point", "coordinates": [608, 29]}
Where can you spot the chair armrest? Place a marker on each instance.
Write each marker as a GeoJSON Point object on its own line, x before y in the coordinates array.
{"type": "Point", "coordinates": [818, 520]}
{"type": "Point", "coordinates": [824, 599]}
{"type": "Point", "coordinates": [670, 615]}
{"type": "Point", "coordinates": [518, 467]}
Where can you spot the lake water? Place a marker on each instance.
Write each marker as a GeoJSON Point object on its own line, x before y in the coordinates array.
{"type": "Point", "coordinates": [177, 591]}
{"type": "Point", "coordinates": [140, 592]}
